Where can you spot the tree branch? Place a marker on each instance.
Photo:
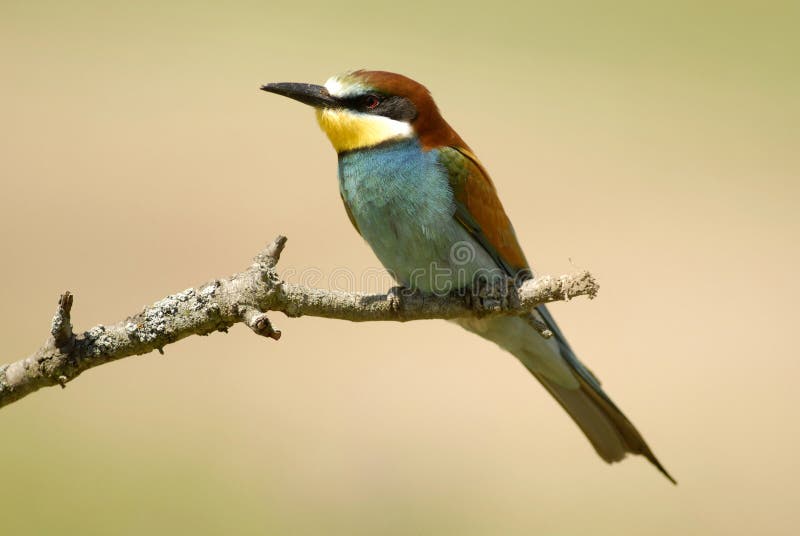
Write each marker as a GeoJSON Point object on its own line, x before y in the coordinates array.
{"type": "Point", "coordinates": [246, 297]}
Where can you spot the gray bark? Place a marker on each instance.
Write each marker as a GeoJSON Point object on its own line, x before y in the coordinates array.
{"type": "Point", "coordinates": [246, 297]}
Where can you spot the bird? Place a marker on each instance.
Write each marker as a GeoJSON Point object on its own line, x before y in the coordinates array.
{"type": "Point", "coordinates": [419, 196]}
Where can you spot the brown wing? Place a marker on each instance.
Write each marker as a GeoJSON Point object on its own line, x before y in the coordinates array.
{"type": "Point", "coordinates": [479, 210]}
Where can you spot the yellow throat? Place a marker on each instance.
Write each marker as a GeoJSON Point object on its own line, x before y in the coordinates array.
{"type": "Point", "coordinates": [349, 130]}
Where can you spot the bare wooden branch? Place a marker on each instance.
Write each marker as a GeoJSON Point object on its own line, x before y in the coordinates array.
{"type": "Point", "coordinates": [61, 327]}
{"type": "Point", "coordinates": [247, 297]}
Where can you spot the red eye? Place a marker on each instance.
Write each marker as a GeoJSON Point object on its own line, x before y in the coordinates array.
{"type": "Point", "coordinates": [371, 101]}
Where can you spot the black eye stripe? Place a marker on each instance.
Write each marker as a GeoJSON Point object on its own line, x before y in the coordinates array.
{"type": "Point", "coordinates": [372, 101]}
{"type": "Point", "coordinates": [391, 106]}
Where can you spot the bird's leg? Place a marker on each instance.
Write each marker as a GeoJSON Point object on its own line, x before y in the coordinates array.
{"type": "Point", "coordinates": [492, 295]}
{"type": "Point", "coordinates": [396, 294]}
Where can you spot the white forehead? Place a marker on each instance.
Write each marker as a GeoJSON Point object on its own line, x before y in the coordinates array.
{"type": "Point", "coordinates": [344, 85]}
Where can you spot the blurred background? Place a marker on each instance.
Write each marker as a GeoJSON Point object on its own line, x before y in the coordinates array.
{"type": "Point", "coordinates": [654, 143]}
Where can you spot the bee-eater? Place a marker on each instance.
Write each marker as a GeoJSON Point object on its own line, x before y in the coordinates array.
{"type": "Point", "coordinates": [420, 197]}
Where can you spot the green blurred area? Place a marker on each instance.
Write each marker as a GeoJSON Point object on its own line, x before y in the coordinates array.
{"type": "Point", "coordinates": [655, 144]}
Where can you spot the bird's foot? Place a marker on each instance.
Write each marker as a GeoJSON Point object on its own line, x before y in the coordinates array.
{"type": "Point", "coordinates": [395, 297]}
{"type": "Point", "coordinates": [495, 295]}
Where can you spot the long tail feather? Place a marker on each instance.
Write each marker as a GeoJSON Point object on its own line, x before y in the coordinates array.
{"type": "Point", "coordinates": [611, 433]}
{"type": "Point", "coordinates": [573, 385]}
{"type": "Point", "coordinates": [603, 423]}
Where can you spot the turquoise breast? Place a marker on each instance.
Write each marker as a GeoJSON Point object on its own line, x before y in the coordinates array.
{"type": "Point", "coordinates": [402, 203]}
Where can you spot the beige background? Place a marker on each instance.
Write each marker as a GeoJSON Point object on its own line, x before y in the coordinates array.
{"type": "Point", "coordinates": [656, 146]}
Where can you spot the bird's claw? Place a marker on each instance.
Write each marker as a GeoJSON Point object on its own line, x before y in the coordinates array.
{"type": "Point", "coordinates": [395, 297]}
{"type": "Point", "coordinates": [493, 296]}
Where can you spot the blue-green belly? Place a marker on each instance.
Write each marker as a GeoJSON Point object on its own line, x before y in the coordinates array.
{"type": "Point", "coordinates": [402, 203]}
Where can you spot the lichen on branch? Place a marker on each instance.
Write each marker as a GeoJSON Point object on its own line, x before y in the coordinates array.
{"type": "Point", "coordinates": [247, 297]}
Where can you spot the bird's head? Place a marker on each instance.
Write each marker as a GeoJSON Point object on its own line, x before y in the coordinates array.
{"type": "Point", "coordinates": [361, 109]}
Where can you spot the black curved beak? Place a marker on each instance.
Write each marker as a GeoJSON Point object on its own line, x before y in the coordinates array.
{"type": "Point", "coordinates": [313, 95]}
